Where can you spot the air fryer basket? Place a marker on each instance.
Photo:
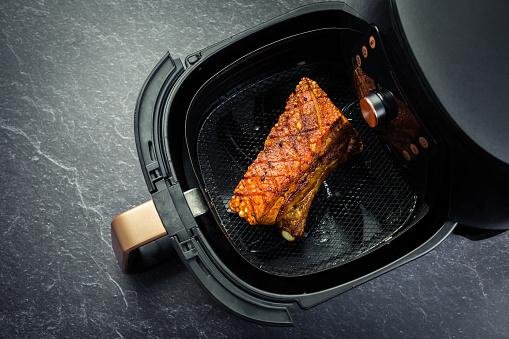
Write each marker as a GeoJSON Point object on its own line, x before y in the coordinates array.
{"type": "Point", "coordinates": [362, 205]}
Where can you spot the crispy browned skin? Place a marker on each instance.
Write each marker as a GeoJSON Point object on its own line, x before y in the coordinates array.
{"type": "Point", "coordinates": [309, 140]}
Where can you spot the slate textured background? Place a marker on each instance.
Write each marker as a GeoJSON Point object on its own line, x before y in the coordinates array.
{"type": "Point", "coordinates": [70, 72]}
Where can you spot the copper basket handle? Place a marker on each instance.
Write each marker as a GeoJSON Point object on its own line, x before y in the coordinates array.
{"type": "Point", "coordinates": [134, 228]}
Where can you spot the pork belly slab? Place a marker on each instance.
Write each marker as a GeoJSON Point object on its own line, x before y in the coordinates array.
{"type": "Point", "coordinates": [311, 138]}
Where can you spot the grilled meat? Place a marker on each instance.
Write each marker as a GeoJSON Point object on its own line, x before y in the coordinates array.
{"type": "Point", "coordinates": [309, 140]}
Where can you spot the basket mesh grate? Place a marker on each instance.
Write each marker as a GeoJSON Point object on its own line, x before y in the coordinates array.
{"type": "Point", "coordinates": [359, 206]}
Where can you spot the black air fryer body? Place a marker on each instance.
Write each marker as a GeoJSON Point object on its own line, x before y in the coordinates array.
{"type": "Point", "coordinates": [199, 122]}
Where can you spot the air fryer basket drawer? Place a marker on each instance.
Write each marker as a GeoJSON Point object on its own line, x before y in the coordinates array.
{"type": "Point", "coordinates": [198, 127]}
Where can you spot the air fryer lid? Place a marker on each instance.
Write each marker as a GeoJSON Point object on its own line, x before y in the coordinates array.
{"type": "Point", "coordinates": [462, 49]}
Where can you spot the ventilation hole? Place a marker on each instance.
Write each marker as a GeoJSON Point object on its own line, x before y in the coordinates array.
{"type": "Point", "coordinates": [151, 150]}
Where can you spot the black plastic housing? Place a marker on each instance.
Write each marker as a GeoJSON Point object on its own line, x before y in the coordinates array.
{"type": "Point", "coordinates": [164, 137]}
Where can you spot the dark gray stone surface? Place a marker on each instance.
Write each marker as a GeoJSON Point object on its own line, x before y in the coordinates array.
{"type": "Point", "coordinates": [70, 73]}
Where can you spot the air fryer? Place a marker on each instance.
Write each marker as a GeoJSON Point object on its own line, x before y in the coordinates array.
{"type": "Point", "coordinates": [200, 122]}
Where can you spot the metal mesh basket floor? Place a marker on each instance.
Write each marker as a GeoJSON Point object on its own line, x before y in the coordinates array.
{"type": "Point", "coordinates": [362, 204]}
